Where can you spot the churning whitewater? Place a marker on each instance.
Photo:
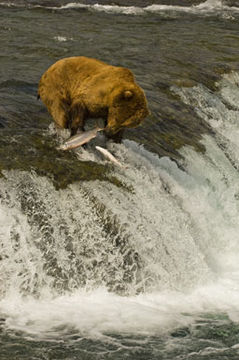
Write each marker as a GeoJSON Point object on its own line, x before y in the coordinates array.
{"type": "Point", "coordinates": [204, 8]}
{"type": "Point", "coordinates": [143, 258]}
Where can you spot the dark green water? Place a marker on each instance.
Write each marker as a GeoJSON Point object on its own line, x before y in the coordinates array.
{"type": "Point", "coordinates": [100, 263]}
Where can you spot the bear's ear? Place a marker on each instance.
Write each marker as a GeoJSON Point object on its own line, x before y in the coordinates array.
{"type": "Point", "coordinates": [128, 94]}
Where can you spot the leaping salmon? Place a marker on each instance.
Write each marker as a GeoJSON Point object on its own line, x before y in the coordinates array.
{"type": "Point", "coordinates": [80, 139]}
{"type": "Point", "coordinates": [109, 156]}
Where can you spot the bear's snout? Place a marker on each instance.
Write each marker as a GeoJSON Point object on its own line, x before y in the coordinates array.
{"type": "Point", "coordinates": [112, 130]}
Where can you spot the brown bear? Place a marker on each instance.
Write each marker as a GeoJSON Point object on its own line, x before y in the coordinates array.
{"type": "Point", "coordinates": [76, 88]}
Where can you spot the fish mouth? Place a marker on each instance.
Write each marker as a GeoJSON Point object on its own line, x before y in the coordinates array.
{"type": "Point", "coordinates": [98, 127]}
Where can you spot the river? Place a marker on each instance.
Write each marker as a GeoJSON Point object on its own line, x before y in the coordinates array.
{"type": "Point", "coordinates": [140, 262]}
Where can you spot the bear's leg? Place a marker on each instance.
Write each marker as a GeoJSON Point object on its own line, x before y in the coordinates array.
{"type": "Point", "coordinates": [59, 114]}
{"type": "Point", "coordinates": [76, 119]}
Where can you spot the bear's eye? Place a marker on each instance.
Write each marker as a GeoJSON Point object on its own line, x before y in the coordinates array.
{"type": "Point", "coordinates": [128, 94]}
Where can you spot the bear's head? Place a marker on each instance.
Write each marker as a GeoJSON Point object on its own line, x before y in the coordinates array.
{"type": "Point", "coordinates": [127, 108]}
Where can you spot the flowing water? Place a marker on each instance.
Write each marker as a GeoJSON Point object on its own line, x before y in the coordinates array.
{"type": "Point", "coordinates": [140, 262]}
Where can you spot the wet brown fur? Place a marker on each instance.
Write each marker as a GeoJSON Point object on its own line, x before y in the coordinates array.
{"type": "Point", "coordinates": [76, 88]}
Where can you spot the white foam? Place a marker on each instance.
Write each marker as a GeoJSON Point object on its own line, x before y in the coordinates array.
{"type": "Point", "coordinates": [8, 4]}
{"type": "Point", "coordinates": [210, 5]}
{"type": "Point", "coordinates": [213, 108]}
{"type": "Point", "coordinates": [127, 10]}
{"type": "Point", "coordinates": [203, 8]}
{"type": "Point", "coordinates": [98, 313]}
{"type": "Point", "coordinates": [62, 38]}
{"type": "Point", "coordinates": [115, 9]}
